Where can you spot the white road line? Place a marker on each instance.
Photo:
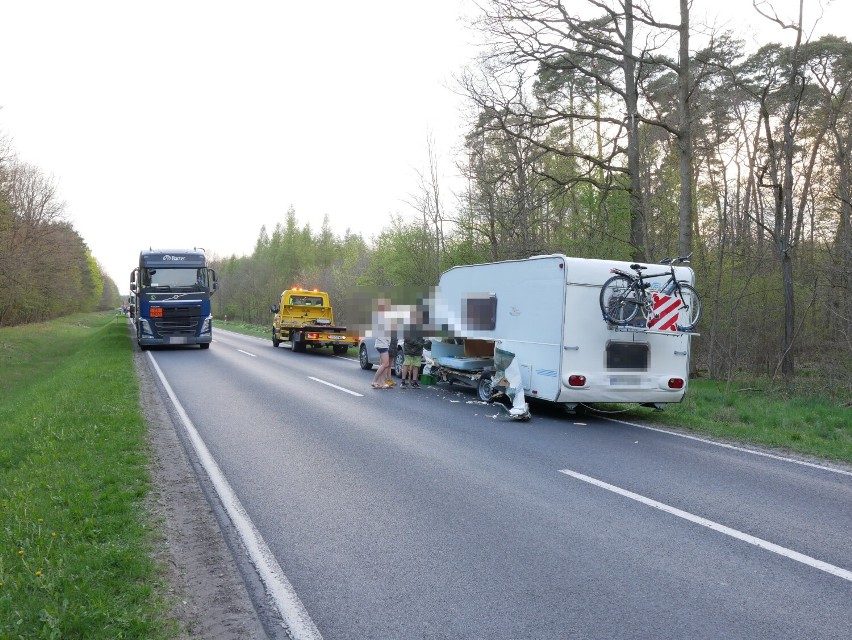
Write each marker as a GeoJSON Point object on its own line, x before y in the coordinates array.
{"type": "Point", "coordinates": [739, 535]}
{"type": "Point", "coordinates": [245, 335]}
{"type": "Point", "coordinates": [733, 447]}
{"type": "Point", "coordinates": [354, 393]}
{"type": "Point", "coordinates": [247, 353]}
{"type": "Point", "coordinates": [280, 591]}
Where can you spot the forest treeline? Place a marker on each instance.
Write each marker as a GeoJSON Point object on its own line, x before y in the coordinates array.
{"type": "Point", "coordinates": [623, 136]}
{"type": "Point", "coordinates": [46, 269]}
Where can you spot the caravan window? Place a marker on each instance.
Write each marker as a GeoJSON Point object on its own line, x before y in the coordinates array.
{"type": "Point", "coordinates": [481, 311]}
{"type": "Point", "coordinates": [627, 356]}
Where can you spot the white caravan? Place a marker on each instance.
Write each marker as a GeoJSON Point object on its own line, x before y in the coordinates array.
{"type": "Point", "coordinates": [546, 311]}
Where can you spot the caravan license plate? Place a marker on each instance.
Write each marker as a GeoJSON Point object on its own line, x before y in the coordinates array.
{"type": "Point", "coordinates": [625, 380]}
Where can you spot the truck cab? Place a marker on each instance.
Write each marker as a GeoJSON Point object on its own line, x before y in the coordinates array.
{"type": "Point", "coordinates": [172, 292]}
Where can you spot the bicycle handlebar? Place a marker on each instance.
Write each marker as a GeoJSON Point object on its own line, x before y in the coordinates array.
{"type": "Point", "coordinates": [639, 268]}
{"type": "Point", "coordinates": [679, 259]}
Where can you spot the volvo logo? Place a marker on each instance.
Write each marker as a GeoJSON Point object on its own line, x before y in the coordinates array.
{"type": "Point", "coordinates": [178, 296]}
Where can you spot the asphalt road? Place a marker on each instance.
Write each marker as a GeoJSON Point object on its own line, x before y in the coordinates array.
{"type": "Point", "coordinates": [427, 514]}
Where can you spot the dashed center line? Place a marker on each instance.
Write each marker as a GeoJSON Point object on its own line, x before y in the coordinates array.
{"type": "Point", "coordinates": [247, 353]}
{"type": "Point", "coordinates": [739, 535]}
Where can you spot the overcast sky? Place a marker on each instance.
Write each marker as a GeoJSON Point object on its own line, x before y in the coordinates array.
{"type": "Point", "coordinates": [183, 123]}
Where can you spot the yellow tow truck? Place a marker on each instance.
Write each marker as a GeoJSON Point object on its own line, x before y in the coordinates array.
{"type": "Point", "coordinates": [304, 317]}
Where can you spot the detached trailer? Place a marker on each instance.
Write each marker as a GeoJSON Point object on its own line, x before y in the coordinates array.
{"type": "Point", "coordinates": [546, 311]}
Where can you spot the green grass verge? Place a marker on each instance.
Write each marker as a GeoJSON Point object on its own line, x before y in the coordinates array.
{"type": "Point", "coordinates": [759, 413]}
{"type": "Point", "coordinates": [75, 540]}
{"type": "Point", "coordinates": [245, 328]}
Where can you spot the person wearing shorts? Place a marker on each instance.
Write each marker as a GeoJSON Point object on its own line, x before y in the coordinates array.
{"type": "Point", "coordinates": [382, 378]}
{"type": "Point", "coordinates": [412, 352]}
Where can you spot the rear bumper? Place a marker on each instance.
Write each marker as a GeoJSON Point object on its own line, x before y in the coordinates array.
{"type": "Point", "coordinates": [317, 338]}
{"type": "Point", "coordinates": [331, 343]}
{"type": "Point", "coordinates": [601, 392]}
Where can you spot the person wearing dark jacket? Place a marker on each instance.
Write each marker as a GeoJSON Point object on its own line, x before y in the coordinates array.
{"type": "Point", "coordinates": [412, 352]}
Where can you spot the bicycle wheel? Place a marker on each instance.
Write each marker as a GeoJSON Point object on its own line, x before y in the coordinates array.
{"type": "Point", "coordinates": [620, 300]}
{"type": "Point", "coordinates": [690, 311]}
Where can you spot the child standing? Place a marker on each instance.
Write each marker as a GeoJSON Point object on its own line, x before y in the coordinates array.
{"type": "Point", "coordinates": [412, 351]}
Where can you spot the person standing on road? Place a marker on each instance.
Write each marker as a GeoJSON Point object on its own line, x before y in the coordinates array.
{"type": "Point", "coordinates": [412, 351]}
{"type": "Point", "coordinates": [382, 378]}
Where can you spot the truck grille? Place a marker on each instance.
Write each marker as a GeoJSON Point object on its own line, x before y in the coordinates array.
{"type": "Point", "coordinates": [179, 321]}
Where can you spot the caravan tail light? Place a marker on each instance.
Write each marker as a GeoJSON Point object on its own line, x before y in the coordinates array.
{"type": "Point", "coordinates": [675, 383]}
{"type": "Point", "coordinates": [576, 380]}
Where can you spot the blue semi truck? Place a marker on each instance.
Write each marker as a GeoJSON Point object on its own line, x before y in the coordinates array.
{"type": "Point", "coordinates": [172, 292]}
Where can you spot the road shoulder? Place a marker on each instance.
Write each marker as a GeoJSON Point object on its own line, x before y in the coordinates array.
{"type": "Point", "coordinates": [209, 598]}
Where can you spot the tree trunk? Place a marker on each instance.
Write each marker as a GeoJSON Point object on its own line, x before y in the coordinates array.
{"type": "Point", "coordinates": [785, 237]}
{"type": "Point", "coordinates": [637, 211]}
{"type": "Point", "coordinates": [684, 138]}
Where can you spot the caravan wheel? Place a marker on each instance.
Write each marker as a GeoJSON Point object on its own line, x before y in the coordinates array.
{"type": "Point", "coordinates": [483, 389]}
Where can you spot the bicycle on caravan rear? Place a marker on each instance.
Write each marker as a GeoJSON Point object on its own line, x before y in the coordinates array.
{"type": "Point", "coordinates": [625, 296]}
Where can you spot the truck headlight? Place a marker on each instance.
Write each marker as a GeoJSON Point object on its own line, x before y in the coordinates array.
{"type": "Point", "coordinates": [146, 328]}
{"type": "Point", "coordinates": [205, 327]}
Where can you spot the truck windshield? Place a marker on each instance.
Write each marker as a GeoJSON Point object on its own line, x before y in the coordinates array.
{"type": "Point", "coordinates": [174, 278]}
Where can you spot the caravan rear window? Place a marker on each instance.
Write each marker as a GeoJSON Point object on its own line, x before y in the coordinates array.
{"type": "Point", "coordinates": [627, 356]}
{"type": "Point", "coordinates": [481, 311]}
